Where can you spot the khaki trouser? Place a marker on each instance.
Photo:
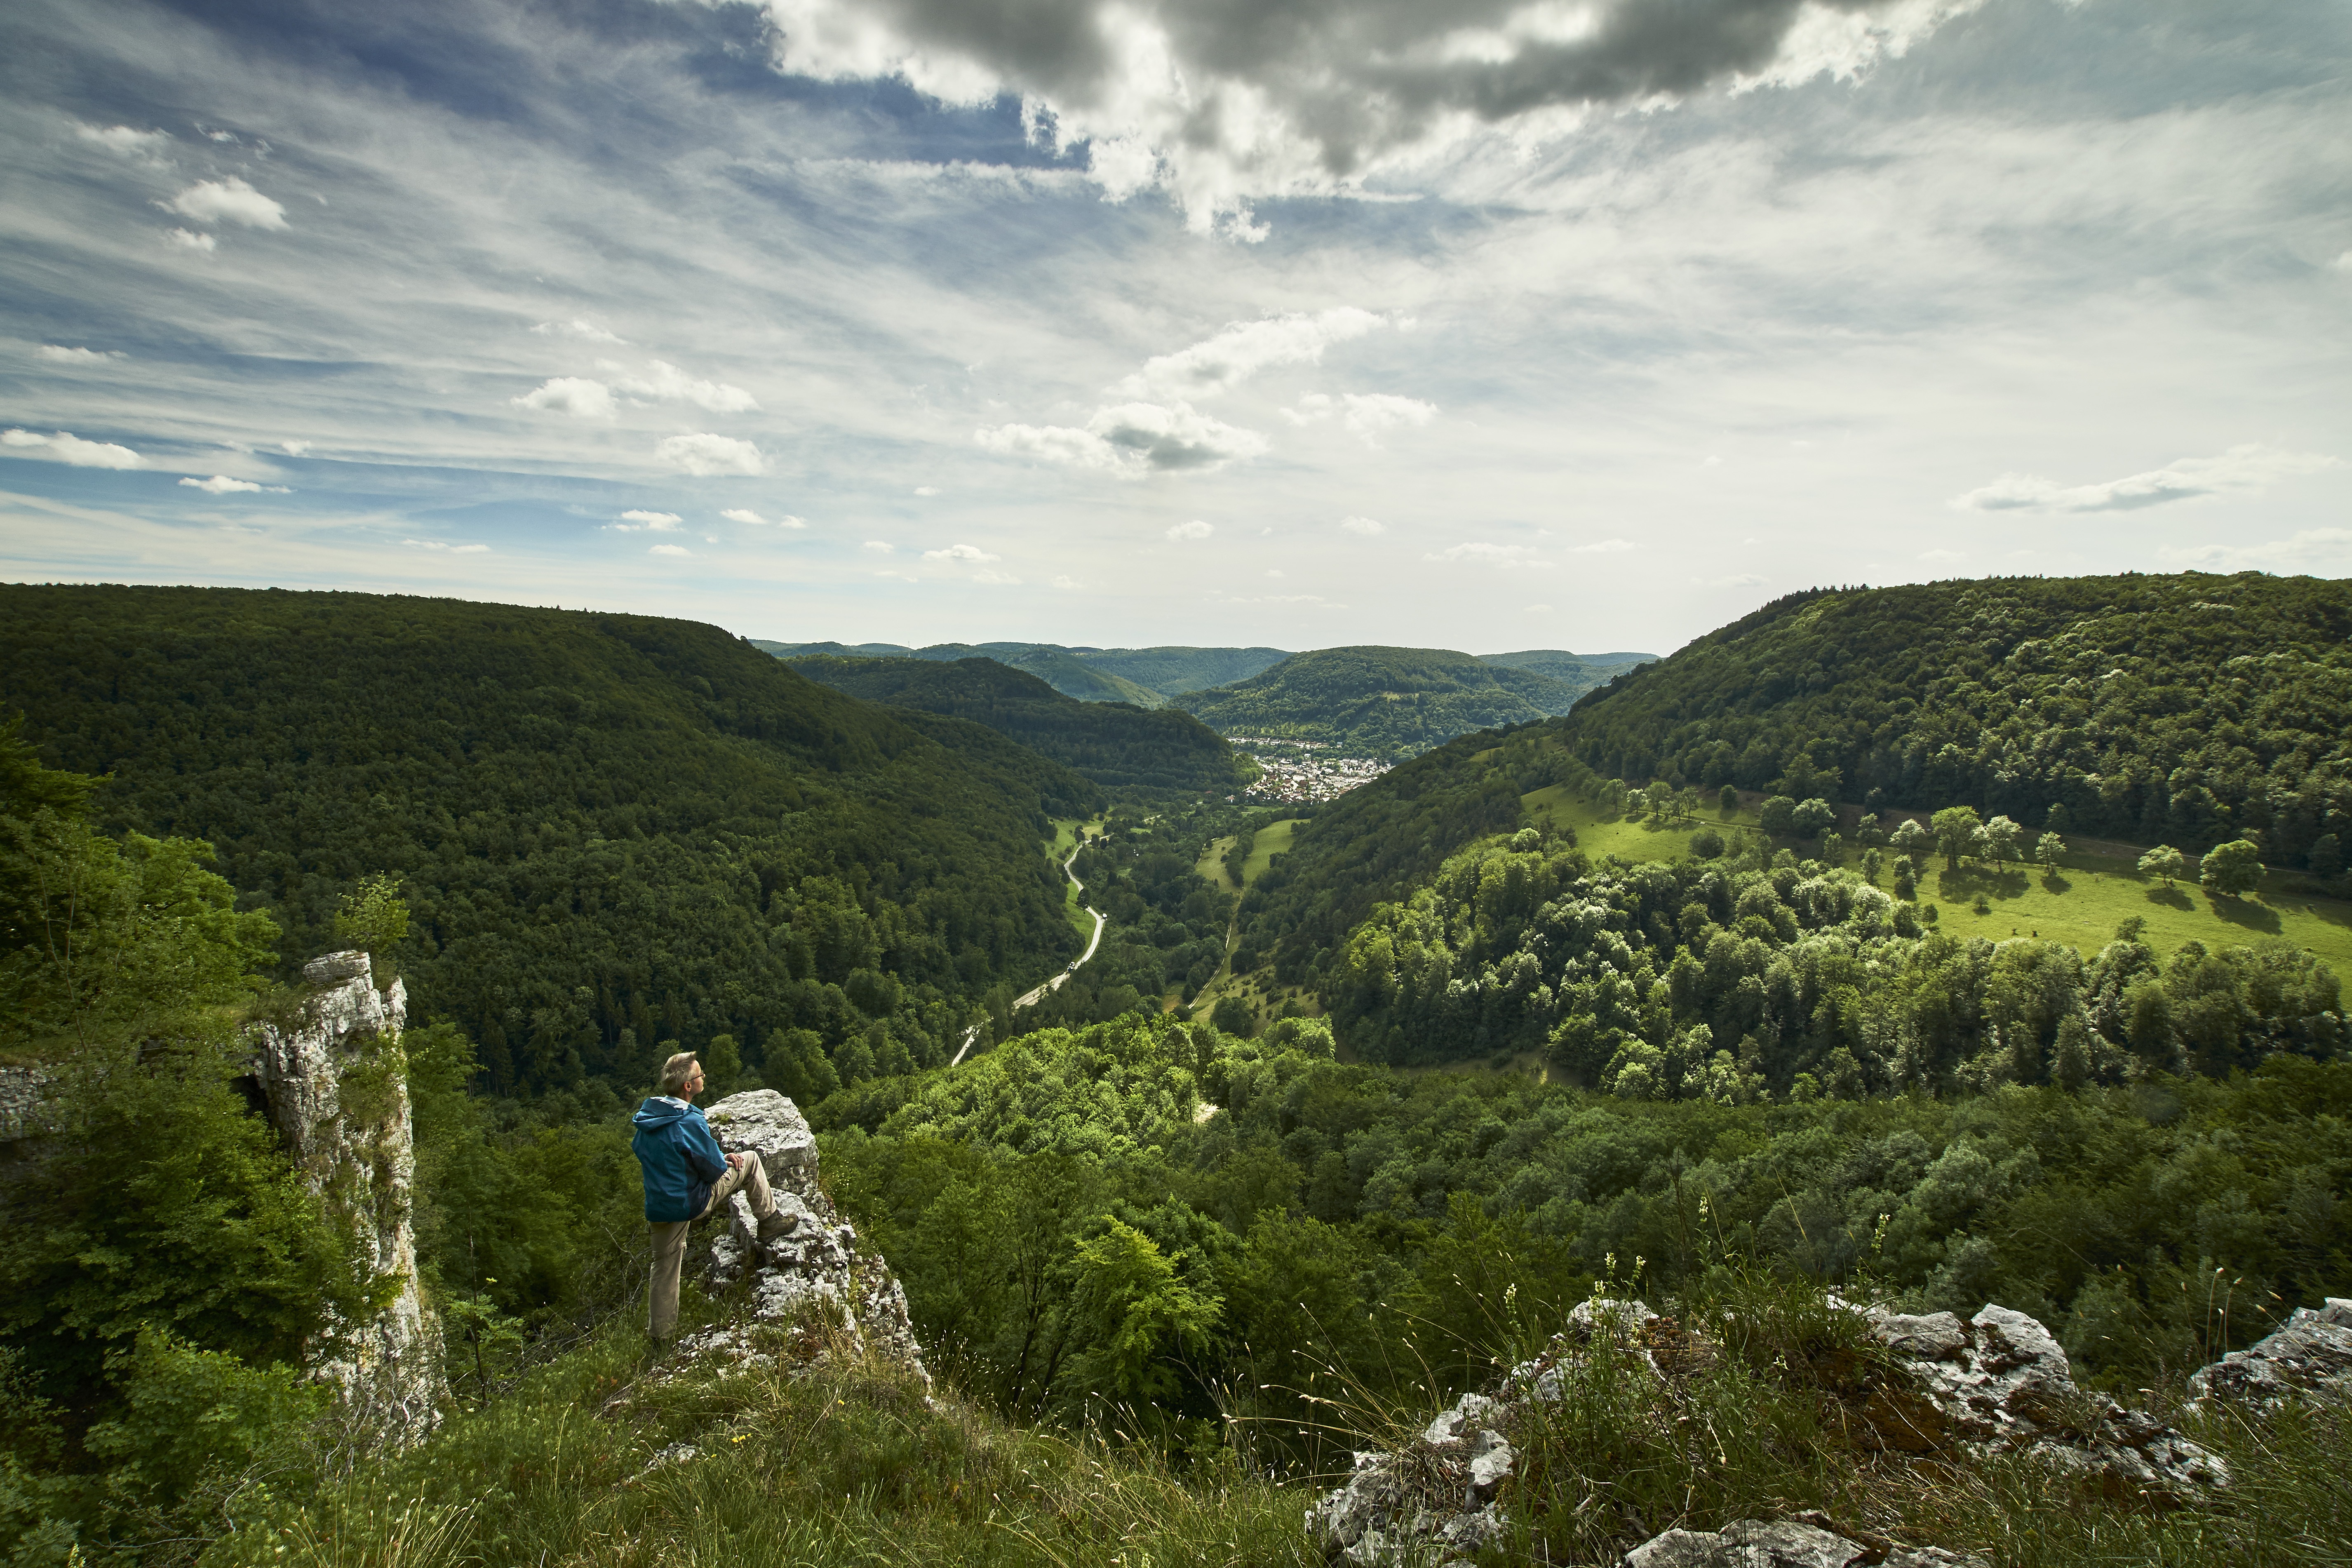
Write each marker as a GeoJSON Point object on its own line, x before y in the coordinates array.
{"type": "Point", "coordinates": [670, 1237]}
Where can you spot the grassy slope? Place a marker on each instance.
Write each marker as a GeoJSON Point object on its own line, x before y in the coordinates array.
{"type": "Point", "coordinates": [1272, 840]}
{"type": "Point", "coordinates": [2083, 905]}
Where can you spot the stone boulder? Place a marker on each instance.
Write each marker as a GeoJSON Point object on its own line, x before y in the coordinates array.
{"type": "Point", "coordinates": [816, 1275]}
{"type": "Point", "coordinates": [1998, 1384]}
{"type": "Point", "coordinates": [1783, 1544]}
{"type": "Point", "coordinates": [2310, 1358]}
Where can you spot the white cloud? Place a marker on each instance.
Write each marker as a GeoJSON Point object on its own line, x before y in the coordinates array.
{"type": "Point", "coordinates": [669, 550]}
{"type": "Point", "coordinates": [746, 515]}
{"type": "Point", "coordinates": [222, 485]}
{"type": "Point", "coordinates": [1273, 572]}
{"type": "Point", "coordinates": [188, 240]}
{"type": "Point", "coordinates": [1241, 349]}
{"type": "Point", "coordinates": [147, 146]}
{"type": "Point", "coordinates": [1365, 414]}
{"type": "Point", "coordinates": [926, 489]}
{"type": "Point", "coordinates": [655, 521]}
{"type": "Point", "coordinates": [1737, 580]}
{"type": "Point", "coordinates": [879, 546]}
{"type": "Point", "coordinates": [446, 547]}
{"type": "Point", "coordinates": [575, 395]}
{"type": "Point", "coordinates": [57, 354]}
{"type": "Point", "coordinates": [1478, 553]}
{"type": "Point", "coordinates": [585, 331]}
{"type": "Point", "coordinates": [996, 579]}
{"type": "Point", "coordinates": [705, 454]}
{"type": "Point", "coordinates": [67, 448]}
{"type": "Point", "coordinates": [2342, 263]}
{"type": "Point", "coordinates": [228, 201]}
{"type": "Point", "coordinates": [1536, 609]}
{"type": "Point", "coordinates": [1067, 583]}
{"type": "Point", "coordinates": [294, 448]}
{"type": "Point", "coordinates": [2320, 551]}
{"type": "Point", "coordinates": [1941, 557]}
{"type": "Point", "coordinates": [1195, 529]}
{"type": "Point", "coordinates": [667, 383]}
{"type": "Point", "coordinates": [1603, 547]}
{"type": "Point", "coordinates": [2242, 469]}
{"type": "Point", "coordinates": [1368, 527]}
{"type": "Point", "coordinates": [1131, 439]}
{"type": "Point", "coordinates": [960, 552]}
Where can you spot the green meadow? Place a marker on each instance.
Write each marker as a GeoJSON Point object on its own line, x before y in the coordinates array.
{"type": "Point", "coordinates": [2081, 903]}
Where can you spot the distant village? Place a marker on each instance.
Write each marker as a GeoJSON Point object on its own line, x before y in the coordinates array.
{"type": "Point", "coordinates": [1292, 773]}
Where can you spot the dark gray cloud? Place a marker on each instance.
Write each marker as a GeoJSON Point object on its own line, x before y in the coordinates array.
{"type": "Point", "coordinates": [1234, 98]}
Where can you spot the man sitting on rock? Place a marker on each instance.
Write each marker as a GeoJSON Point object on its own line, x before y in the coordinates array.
{"type": "Point", "coordinates": [687, 1177]}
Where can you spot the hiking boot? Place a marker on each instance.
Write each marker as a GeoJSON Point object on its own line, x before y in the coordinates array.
{"type": "Point", "coordinates": [778, 1223]}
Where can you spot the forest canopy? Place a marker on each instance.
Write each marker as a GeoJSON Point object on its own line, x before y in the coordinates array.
{"type": "Point", "coordinates": [1112, 744]}
{"type": "Point", "coordinates": [613, 831]}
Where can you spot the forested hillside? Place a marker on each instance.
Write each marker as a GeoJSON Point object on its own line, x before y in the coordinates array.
{"type": "Point", "coordinates": [2184, 710]}
{"type": "Point", "coordinates": [1387, 702]}
{"type": "Point", "coordinates": [1338, 1231]}
{"type": "Point", "coordinates": [1146, 677]}
{"type": "Point", "coordinates": [614, 831]}
{"type": "Point", "coordinates": [1111, 744]}
{"type": "Point", "coordinates": [1581, 671]}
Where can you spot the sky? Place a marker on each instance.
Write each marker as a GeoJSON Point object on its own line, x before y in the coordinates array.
{"type": "Point", "coordinates": [1588, 324]}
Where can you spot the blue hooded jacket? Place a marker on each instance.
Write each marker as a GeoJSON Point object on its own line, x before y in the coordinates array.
{"type": "Point", "coordinates": [680, 1158]}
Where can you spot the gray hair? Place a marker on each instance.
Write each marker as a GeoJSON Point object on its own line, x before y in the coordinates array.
{"type": "Point", "coordinates": [676, 1070]}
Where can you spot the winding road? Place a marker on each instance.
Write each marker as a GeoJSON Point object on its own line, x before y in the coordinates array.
{"type": "Point", "coordinates": [1031, 998]}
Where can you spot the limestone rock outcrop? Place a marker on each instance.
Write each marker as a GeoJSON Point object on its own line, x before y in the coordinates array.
{"type": "Point", "coordinates": [1781, 1543]}
{"type": "Point", "coordinates": [337, 1088]}
{"type": "Point", "coordinates": [2311, 1357]}
{"type": "Point", "coordinates": [817, 1273]}
{"type": "Point", "coordinates": [1999, 1384]}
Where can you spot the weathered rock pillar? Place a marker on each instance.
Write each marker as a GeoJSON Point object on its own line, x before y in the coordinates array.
{"type": "Point", "coordinates": [337, 1086]}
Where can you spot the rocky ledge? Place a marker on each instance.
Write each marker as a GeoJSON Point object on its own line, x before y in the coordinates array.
{"type": "Point", "coordinates": [815, 1280]}
{"type": "Point", "coordinates": [2311, 1357]}
{"type": "Point", "coordinates": [1995, 1385]}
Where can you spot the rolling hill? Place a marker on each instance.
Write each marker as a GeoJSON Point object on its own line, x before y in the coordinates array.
{"type": "Point", "coordinates": [613, 830]}
{"type": "Point", "coordinates": [1145, 676]}
{"type": "Point", "coordinates": [1385, 702]}
{"type": "Point", "coordinates": [2180, 709]}
{"type": "Point", "coordinates": [1111, 744]}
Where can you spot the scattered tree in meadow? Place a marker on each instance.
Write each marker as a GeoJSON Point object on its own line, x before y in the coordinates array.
{"type": "Point", "coordinates": [2000, 840]}
{"type": "Point", "coordinates": [1870, 831]}
{"type": "Point", "coordinates": [2046, 852]}
{"type": "Point", "coordinates": [2165, 862]}
{"type": "Point", "coordinates": [2232, 869]}
{"type": "Point", "coordinates": [1813, 817]}
{"type": "Point", "coordinates": [1911, 841]}
{"type": "Point", "coordinates": [1727, 799]}
{"type": "Point", "coordinates": [1833, 849]}
{"type": "Point", "coordinates": [1707, 844]}
{"type": "Point", "coordinates": [1871, 862]}
{"type": "Point", "coordinates": [1955, 829]}
{"type": "Point", "coordinates": [1779, 816]}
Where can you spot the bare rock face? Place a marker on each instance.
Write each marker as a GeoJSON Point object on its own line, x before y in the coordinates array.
{"type": "Point", "coordinates": [1999, 1384]}
{"type": "Point", "coordinates": [816, 1266]}
{"type": "Point", "coordinates": [2311, 1357]}
{"type": "Point", "coordinates": [337, 1088]}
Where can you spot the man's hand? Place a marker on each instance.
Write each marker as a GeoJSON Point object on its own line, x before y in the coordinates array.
{"type": "Point", "coordinates": [734, 1162]}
